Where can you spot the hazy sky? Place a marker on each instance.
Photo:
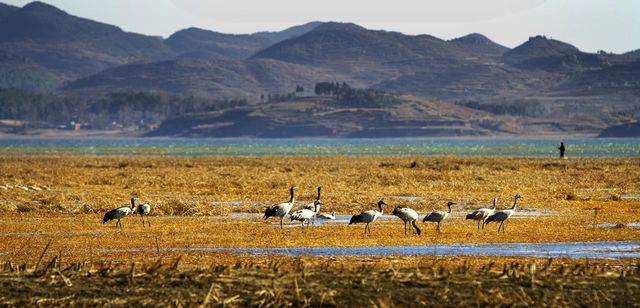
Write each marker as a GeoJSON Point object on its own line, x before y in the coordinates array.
{"type": "Point", "coordinates": [591, 25]}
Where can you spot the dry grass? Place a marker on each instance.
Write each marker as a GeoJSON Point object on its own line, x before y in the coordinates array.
{"type": "Point", "coordinates": [322, 282]}
{"type": "Point", "coordinates": [82, 188]}
{"type": "Point", "coordinates": [198, 185]}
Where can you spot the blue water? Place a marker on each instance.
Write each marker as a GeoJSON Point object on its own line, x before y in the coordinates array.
{"type": "Point", "coordinates": [575, 250]}
{"type": "Point", "coordinates": [531, 147]}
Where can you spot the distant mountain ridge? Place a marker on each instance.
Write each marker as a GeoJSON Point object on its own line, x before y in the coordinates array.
{"type": "Point", "coordinates": [334, 43]}
{"type": "Point", "coordinates": [71, 47]}
{"type": "Point", "coordinates": [205, 43]}
{"type": "Point", "coordinates": [6, 9]}
{"type": "Point", "coordinates": [45, 49]}
{"type": "Point", "coordinates": [279, 36]}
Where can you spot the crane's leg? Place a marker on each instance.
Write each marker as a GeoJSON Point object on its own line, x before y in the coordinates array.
{"type": "Point", "coordinates": [405, 228]}
{"type": "Point", "coordinates": [479, 224]}
{"type": "Point", "coordinates": [438, 228]}
{"type": "Point", "coordinates": [148, 221]}
{"type": "Point", "coordinates": [416, 227]}
{"type": "Point", "coordinates": [142, 217]}
{"type": "Point", "coordinates": [281, 218]}
{"type": "Point", "coordinates": [365, 229]}
{"type": "Point", "coordinates": [501, 226]}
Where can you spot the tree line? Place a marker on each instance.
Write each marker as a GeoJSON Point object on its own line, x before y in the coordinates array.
{"type": "Point", "coordinates": [348, 96]}
{"type": "Point", "coordinates": [121, 109]}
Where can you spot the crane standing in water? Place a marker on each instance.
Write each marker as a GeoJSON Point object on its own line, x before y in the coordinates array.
{"type": "Point", "coordinates": [281, 209]}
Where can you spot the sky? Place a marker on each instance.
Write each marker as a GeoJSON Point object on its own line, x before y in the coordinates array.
{"type": "Point", "coordinates": [590, 25]}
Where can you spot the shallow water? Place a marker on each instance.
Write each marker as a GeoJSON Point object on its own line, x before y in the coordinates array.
{"type": "Point", "coordinates": [576, 250]}
{"type": "Point", "coordinates": [610, 225]}
{"type": "Point", "coordinates": [630, 197]}
{"type": "Point", "coordinates": [536, 147]}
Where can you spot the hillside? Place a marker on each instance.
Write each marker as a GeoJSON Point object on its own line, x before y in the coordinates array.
{"type": "Point", "coordinates": [333, 44]}
{"type": "Point", "coordinates": [201, 77]}
{"type": "Point", "coordinates": [480, 44]}
{"type": "Point", "coordinates": [6, 10]}
{"type": "Point", "coordinates": [44, 49]}
{"type": "Point", "coordinates": [210, 44]}
{"type": "Point", "coordinates": [325, 117]}
{"type": "Point", "coordinates": [292, 118]}
{"type": "Point", "coordinates": [70, 47]}
{"type": "Point", "coordinates": [634, 53]}
{"type": "Point", "coordinates": [279, 36]}
{"type": "Point", "coordinates": [540, 52]}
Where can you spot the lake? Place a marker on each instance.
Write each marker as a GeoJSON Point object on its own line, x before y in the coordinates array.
{"type": "Point", "coordinates": [526, 147]}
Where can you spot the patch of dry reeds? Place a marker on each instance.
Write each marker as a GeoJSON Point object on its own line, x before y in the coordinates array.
{"type": "Point", "coordinates": [320, 282]}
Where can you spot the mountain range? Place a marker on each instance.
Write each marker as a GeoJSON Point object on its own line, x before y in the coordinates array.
{"type": "Point", "coordinates": [44, 49]}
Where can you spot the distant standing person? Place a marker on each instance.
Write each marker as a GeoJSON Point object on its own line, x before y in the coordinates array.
{"type": "Point", "coordinates": [561, 148]}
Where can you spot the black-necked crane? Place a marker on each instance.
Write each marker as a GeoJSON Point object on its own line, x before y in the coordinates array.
{"type": "Point", "coordinates": [143, 210]}
{"type": "Point", "coordinates": [408, 216]}
{"type": "Point", "coordinates": [306, 214]}
{"type": "Point", "coordinates": [326, 216]}
{"type": "Point", "coordinates": [502, 216]}
{"type": "Point", "coordinates": [119, 213]}
{"type": "Point", "coordinates": [481, 214]}
{"type": "Point", "coordinates": [314, 206]}
{"type": "Point", "coordinates": [311, 205]}
{"type": "Point", "coordinates": [368, 217]}
{"type": "Point", "coordinates": [281, 209]}
{"type": "Point", "coordinates": [438, 216]}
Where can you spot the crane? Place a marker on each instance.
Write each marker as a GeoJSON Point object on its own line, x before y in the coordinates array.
{"type": "Point", "coordinates": [438, 216]}
{"type": "Point", "coordinates": [144, 209]}
{"type": "Point", "coordinates": [502, 216]}
{"type": "Point", "coordinates": [306, 214]}
{"type": "Point", "coordinates": [281, 209]}
{"type": "Point", "coordinates": [482, 213]}
{"type": "Point", "coordinates": [368, 217]}
{"type": "Point", "coordinates": [408, 216]}
{"type": "Point", "coordinates": [119, 213]}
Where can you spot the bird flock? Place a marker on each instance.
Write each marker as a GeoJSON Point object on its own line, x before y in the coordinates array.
{"type": "Point", "coordinates": [310, 212]}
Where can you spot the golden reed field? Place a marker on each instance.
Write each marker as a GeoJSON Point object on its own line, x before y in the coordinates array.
{"type": "Point", "coordinates": [54, 249]}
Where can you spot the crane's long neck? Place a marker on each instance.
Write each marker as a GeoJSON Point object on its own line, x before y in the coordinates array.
{"type": "Point", "coordinates": [133, 203]}
{"type": "Point", "coordinates": [494, 203]}
{"type": "Point", "coordinates": [380, 207]}
{"type": "Point", "coordinates": [449, 206]}
{"type": "Point", "coordinates": [292, 199]}
{"type": "Point", "coordinates": [515, 202]}
{"type": "Point", "coordinates": [316, 207]}
{"type": "Point", "coordinates": [318, 193]}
